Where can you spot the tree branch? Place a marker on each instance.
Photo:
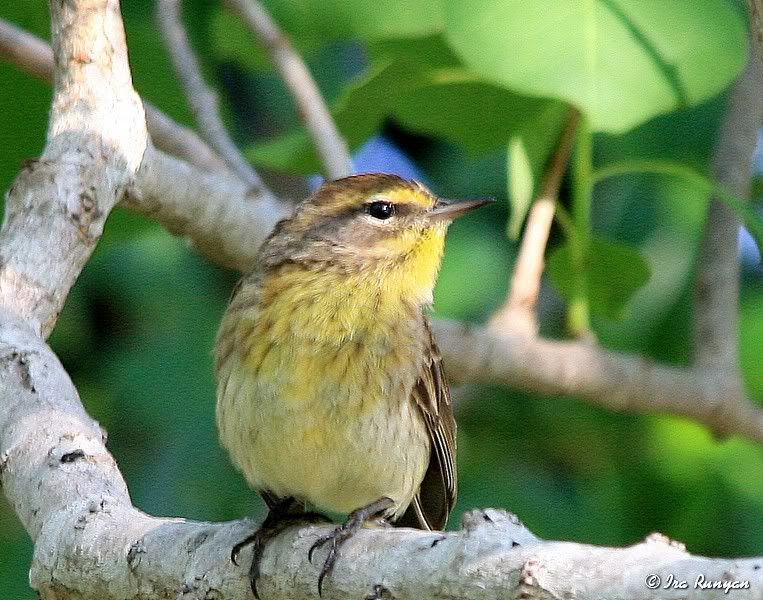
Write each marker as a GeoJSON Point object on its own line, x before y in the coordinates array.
{"type": "Point", "coordinates": [34, 56]}
{"type": "Point", "coordinates": [224, 219]}
{"type": "Point", "coordinates": [88, 162]}
{"type": "Point", "coordinates": [185, 143]}
{"type": "Point", "coordinates": [518, 314]}
{"type": "Point", "coordinates": [578, 369]}
{"type": "Point", "coordinates": [201, 98]}
{"type": "Point", "coordinates": [329, 143]}
{"type": "Point", "coordinates": [90, 542]}
{"type": "Point", "coordinates": [717, 286]}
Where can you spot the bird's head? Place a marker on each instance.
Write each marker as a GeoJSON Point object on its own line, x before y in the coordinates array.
{"type": "Point", "coordinates": [376, 224]}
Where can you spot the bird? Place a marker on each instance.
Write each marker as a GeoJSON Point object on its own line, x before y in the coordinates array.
{"type": "Point", "coordinates": [331, 391]}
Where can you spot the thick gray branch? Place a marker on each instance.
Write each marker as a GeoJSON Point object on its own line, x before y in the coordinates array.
{"type": "Point", "coordinates": [612, 380]}
{"type": "Point", "coordinates": [89, 160]}
{"type": "Point", "coordinates": [224, 219]}
{"type": "Point", "coordinates": [91, 543]}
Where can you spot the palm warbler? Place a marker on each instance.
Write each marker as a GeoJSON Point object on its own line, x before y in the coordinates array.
{"type": "Point", "coordinates": [331, 391]}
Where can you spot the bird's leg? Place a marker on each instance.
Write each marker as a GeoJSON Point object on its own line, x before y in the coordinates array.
{"type": "Point", "coordinates": [282, 515]}
{"type": "Point", "coordinates": [355, 520]}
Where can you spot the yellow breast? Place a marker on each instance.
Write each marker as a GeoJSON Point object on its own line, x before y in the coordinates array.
{"type": "Point", "coordinates": [318, 403]}
{"type": "Point", "coordinates": [314, 397]}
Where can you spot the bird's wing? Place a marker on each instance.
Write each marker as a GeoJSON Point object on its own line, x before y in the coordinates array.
{"type": "Point", "coordinates": [437, 493]}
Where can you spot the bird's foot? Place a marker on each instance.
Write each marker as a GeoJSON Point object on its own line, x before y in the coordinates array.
{"type": "Point", "coordinates": [280, 518]}
{"type": "Point", "coordinates": [343, 532]}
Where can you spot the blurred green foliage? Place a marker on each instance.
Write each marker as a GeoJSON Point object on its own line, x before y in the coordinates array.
{"type": "Point", "coordinates": [615, 272]}
{"type": "Point", "coordinates": [475, 92]}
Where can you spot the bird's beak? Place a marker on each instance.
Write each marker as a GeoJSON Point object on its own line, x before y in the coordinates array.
{"type": "Point", "coordinates": [447, 210]}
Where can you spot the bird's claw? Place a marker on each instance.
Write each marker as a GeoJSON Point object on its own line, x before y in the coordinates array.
{"type": "Point", "coordinates": [336, 537]}
{"type": "Point", "coordinates": [343, 532]}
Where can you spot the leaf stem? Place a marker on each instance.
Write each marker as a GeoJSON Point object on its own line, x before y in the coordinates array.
{"type": "Point", "coordinates": [578, 313]}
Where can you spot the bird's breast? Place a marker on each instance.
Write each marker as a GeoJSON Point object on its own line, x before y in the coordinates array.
{"type": "Point", "coordinates": [316, 401]}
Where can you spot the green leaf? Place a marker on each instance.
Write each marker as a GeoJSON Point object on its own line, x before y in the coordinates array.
{"type": "Point", "coordinates": [451, 102]}
{"type": "Point", "coordinates": [358, 19]}
{"type": "Point", "coordinates": [621, 62]}
{"type": "Point", "coordinates": [614, 272]}
{"type": "Point", "coordinates": [520, 186]}
{"type": "Point", "coordinates": [455, 105]}
{"type": "Point", "coordinates": [528, 154]}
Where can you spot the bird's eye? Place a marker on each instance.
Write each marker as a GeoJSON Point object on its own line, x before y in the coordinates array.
{"type": "Point", "coordinates": [381, 209]}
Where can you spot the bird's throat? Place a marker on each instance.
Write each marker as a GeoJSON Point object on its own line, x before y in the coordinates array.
{"type": "Point", "coordinates": [331, 306]}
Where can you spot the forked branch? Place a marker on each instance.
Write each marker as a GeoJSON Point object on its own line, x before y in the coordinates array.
{"type": "Point", "coordinates": [34, 56]}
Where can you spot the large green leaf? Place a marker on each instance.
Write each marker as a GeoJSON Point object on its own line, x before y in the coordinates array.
{"type": "Point", "coordinates": [457, 106]}
{"type": "Point", "coordinates": [621, 62]}
{"type": "Point", "coordinates": [449, 103]}
{"type": "Point", "coordinates": [614, 272]}
{"type": "Point", "coordinates": [452, 103]}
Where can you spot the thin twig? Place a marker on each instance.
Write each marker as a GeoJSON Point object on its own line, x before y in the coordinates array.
{"type": "Point", "coordinates": [329, 143]}
{"type": "Point", "coordinates": [27, 51]}
{"type": "Point", "coordinates": [34, 56]}
{"type": "Point", "coordinates": [201, 98]}
{"type": "Point", "coordinates": [518, 314]}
